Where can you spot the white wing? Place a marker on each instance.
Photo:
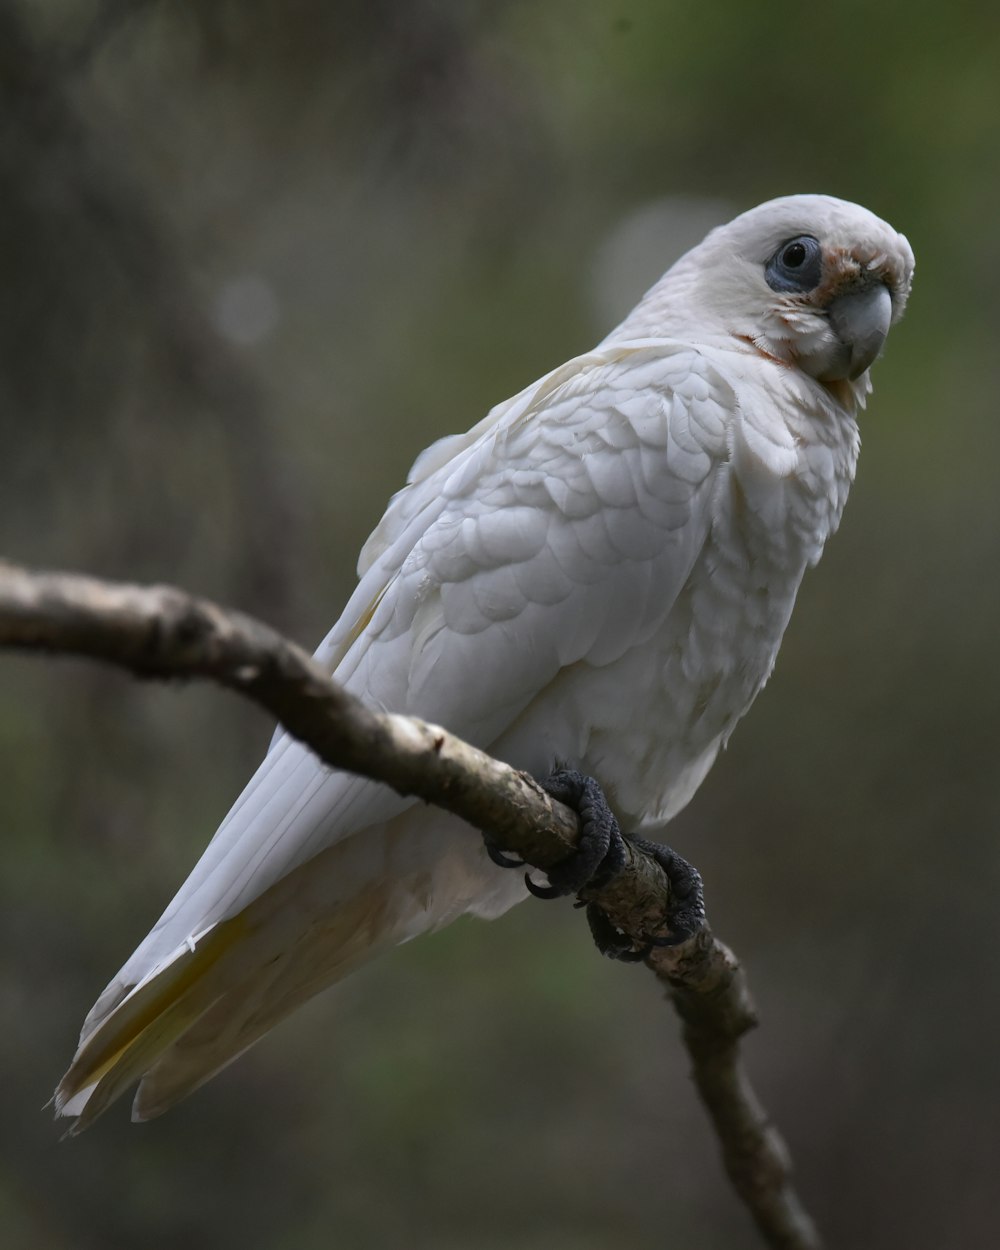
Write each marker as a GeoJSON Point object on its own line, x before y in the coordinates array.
{"type": "Point", "coordinates": [559, 530]}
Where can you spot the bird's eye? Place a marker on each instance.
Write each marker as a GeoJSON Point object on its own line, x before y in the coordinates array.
{"type": "Point", "coordinates": [793, 256]}
{"type": "Point", "coordinates": [796, 266]}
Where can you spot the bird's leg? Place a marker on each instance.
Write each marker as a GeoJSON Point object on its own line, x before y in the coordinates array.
{"type": "Point", "coordinates": [601, 854]}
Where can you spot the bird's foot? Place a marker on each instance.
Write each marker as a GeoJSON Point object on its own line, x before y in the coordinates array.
{"type": "Point", "coordinates": [685, 916]}
{"type": "Point", "coordinates": [600, 852]}
{"type": "Point", "coordinates": [599, 855]}
{"type": "Point", "coordinates": [687, 893]}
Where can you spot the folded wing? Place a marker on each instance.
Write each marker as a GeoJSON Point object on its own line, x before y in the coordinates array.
{"type": "Point", "coordinates": [559, 530]}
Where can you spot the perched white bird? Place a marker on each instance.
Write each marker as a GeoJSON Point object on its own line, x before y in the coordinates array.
{"type": "Point", "coordinates": [598, 574]}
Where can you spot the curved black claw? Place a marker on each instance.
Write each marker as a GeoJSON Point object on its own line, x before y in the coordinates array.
{"type": "Point", "coordinates": [500, 858]}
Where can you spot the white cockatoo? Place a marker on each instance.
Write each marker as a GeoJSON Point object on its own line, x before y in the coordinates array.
{"type": "Point", "coordinates": [597, 575]}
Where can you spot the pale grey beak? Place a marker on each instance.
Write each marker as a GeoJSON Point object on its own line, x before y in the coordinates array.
{"type": "Point", "coordinates": [861, 322]}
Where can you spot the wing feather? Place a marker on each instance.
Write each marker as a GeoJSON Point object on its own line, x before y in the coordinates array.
{"type": "Point", "coordinates": [559, 530]}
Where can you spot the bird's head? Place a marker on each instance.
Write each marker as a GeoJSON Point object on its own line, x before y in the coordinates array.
{"type": "Point", "coordinates": [807, 280]}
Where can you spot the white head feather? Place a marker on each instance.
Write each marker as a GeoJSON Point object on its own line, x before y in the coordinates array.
{"type": "Point", "coordinates": [719, 292]}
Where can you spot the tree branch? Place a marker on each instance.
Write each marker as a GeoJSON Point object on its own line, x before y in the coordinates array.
{"type": "Point", "coordinates": [159, 631]}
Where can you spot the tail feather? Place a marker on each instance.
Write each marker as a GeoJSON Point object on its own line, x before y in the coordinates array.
{"type": "Point", "coordinates": [116, 1051]}
{"type": "Point", "coordinates": [244, 1014]}
{"type": "Point", "coordinates": [218, 993]}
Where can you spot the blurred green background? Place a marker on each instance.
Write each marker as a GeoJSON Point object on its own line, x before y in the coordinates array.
{"type": "Point", "coordinates": [255, 256]}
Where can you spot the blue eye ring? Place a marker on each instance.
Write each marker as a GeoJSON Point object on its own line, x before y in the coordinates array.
{"type": "Point", "coordinates": [796, 266]}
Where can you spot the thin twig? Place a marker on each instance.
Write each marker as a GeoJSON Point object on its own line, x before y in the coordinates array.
{"type": "Point", "coordinates": [160, 631]}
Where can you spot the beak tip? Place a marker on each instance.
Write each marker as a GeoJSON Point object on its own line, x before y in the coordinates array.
{"type": "Point", "coordinates": [861, 321]}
